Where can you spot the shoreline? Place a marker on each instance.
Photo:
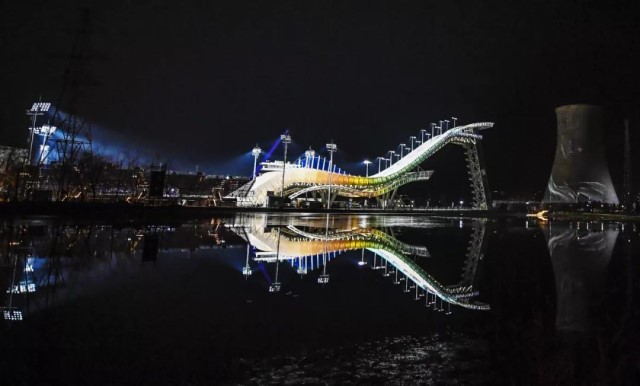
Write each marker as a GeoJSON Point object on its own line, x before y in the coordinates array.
{"type": "Point", "coordinates": [123, 211]}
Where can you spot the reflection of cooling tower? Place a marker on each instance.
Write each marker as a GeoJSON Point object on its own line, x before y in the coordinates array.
{"type": "Point", "coordinates": [580, 170]}
{"type": "Point", "coordinates": [580, 259]}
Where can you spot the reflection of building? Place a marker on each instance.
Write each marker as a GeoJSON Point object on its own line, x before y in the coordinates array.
{"type": "Point", "coordinates": [580, 171]}
{"type": "Point", "coordinates": [312, 246]}
{"type": "Point", "coordinates": [580, 257]}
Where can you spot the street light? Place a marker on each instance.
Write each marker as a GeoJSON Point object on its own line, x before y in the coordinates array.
{"type": "Point", "coordinates": [402, 146]}
{"type": "Point", "coordinates": [454, 121]}
{"type": "Point", "coordinates": [380, 159]}
{"type": "Point", "coordinates": [391, 153]}
{"type": "Point", "coordinates": [366, 164]}
{"type": "Point", "coordinates": [433, 125]}
{"type": "Point", "coordinates": [412, 138]}
{"type": "Point", "coordinates": [447, 124]}
{"type": "Point", "coordinates": [331, 148]}
{"type": "Point", "coordinates": [256, 153]}
{"type": "Point", "coordinates": [286, 140]}
{"type": "Point", "coordinates": [422, 132]}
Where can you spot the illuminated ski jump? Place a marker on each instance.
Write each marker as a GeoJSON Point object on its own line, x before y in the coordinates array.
{"type": "Point", "coordinates": [311, 174]}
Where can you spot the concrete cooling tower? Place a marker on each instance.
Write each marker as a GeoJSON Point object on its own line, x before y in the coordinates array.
{"type": "Point", "coordinates": [580, 171]}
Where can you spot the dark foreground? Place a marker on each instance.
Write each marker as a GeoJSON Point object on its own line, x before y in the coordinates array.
{"type": "Point", "coordinates": [564, 306]}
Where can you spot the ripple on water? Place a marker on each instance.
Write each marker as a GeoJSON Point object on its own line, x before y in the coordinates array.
{"type": "Point", "coordinates": [454, 359]}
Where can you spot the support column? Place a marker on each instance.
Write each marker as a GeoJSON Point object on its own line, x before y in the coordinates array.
{"type": "Point", "coordinates": [477, 176]}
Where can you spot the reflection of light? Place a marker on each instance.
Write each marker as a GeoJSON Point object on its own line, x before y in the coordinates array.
{"type": "Point", "coordinates": [361, 263]}
{"type": "Point", "coordinates": [274, 287]}
{"type": "Point", "coordinates": [540, 215]}
{"type": "Point", "coordinates": [246, 270]}
{"type": "Point", "coordinates": [12, 314]}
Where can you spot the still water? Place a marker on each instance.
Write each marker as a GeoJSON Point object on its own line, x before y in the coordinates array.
{"type": "Point", "coordinates": [320, 299]}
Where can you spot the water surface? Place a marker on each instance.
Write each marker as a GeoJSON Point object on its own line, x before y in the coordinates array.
{"type": "Point", "coordinates": [315, 298]}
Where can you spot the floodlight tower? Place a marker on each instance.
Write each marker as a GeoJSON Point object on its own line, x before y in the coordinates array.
{"type": "Point", "coordinates": [366, 164]}
{"type": "Point", "coordinates": [412, 139]}
{"type": "Point", "coordinates": [256, 153]}
{"type": "Point", "coordinates": [309, 154]}
{"type": "Point", "coordinates": [286, 140]}
{"type": "Point", "coordinates": [331, 148]}
{"type": "Point", "coordinates": [38, 108]}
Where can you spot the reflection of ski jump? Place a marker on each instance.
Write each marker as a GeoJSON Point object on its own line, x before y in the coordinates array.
{"type": "Point", "coordinates": [312, 176]}
{"type": "Point", "coordinates": [309, 249]}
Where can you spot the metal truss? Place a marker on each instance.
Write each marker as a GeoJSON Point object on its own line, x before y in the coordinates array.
{"type": "Point", "coordinates": [475, 253]}
{"type": "Point", "coordinates": [477, 176]}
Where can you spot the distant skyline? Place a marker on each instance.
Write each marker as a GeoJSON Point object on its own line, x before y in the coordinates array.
{"type": "Point", "coordinates": [201, 83]}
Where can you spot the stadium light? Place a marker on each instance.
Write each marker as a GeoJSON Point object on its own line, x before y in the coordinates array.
{"type": "Point", "coordinates": [256, 153]}
{"type": "Point", "coordinates": [331, 148]}
{"type": "Point", "coordinates": [366, 164]}
{"type": "Point", "coordinates": [286, 140]}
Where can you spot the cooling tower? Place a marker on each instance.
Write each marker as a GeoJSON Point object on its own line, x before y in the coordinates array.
{"type": "Point", "coordinates": [580, 171]}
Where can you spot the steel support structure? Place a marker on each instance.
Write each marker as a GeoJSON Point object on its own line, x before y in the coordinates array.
{"type": "Point", "coordinates": [477, 175]}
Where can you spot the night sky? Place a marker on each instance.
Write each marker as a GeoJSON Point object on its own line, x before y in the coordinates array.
{"type": "Point", "coordinates": [201, 82]}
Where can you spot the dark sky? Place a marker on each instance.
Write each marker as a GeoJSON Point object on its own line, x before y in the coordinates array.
{"type": "Point", "coordinates": [202, 82]}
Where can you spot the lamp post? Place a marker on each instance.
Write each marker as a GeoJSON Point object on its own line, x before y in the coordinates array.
{"type": "Point", "coordinates": [422, 132]}
{"type": "Point", "coordinates": [331, 148]}
{"type": "Point", "coordinates": [286, 140]}
{"type": "Point", "coordinates": [256, 153]}
{"type": "Point", "coordinates": [447, 124]}
{"type": "Point", "coordinates": [454, 121]}
{"type": "Point", "coordinates": [433, 125]}
{"type": "Point", "coordinates": [412, 138]}
{"type": "Point", "coordinates": [402, 146]}
{"type": "Point", "coordinates": [391, 153]}
{"type": "Point", "coordinates": [380, 159]}
{"type": "Point", "coordinates": [366, 164]}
